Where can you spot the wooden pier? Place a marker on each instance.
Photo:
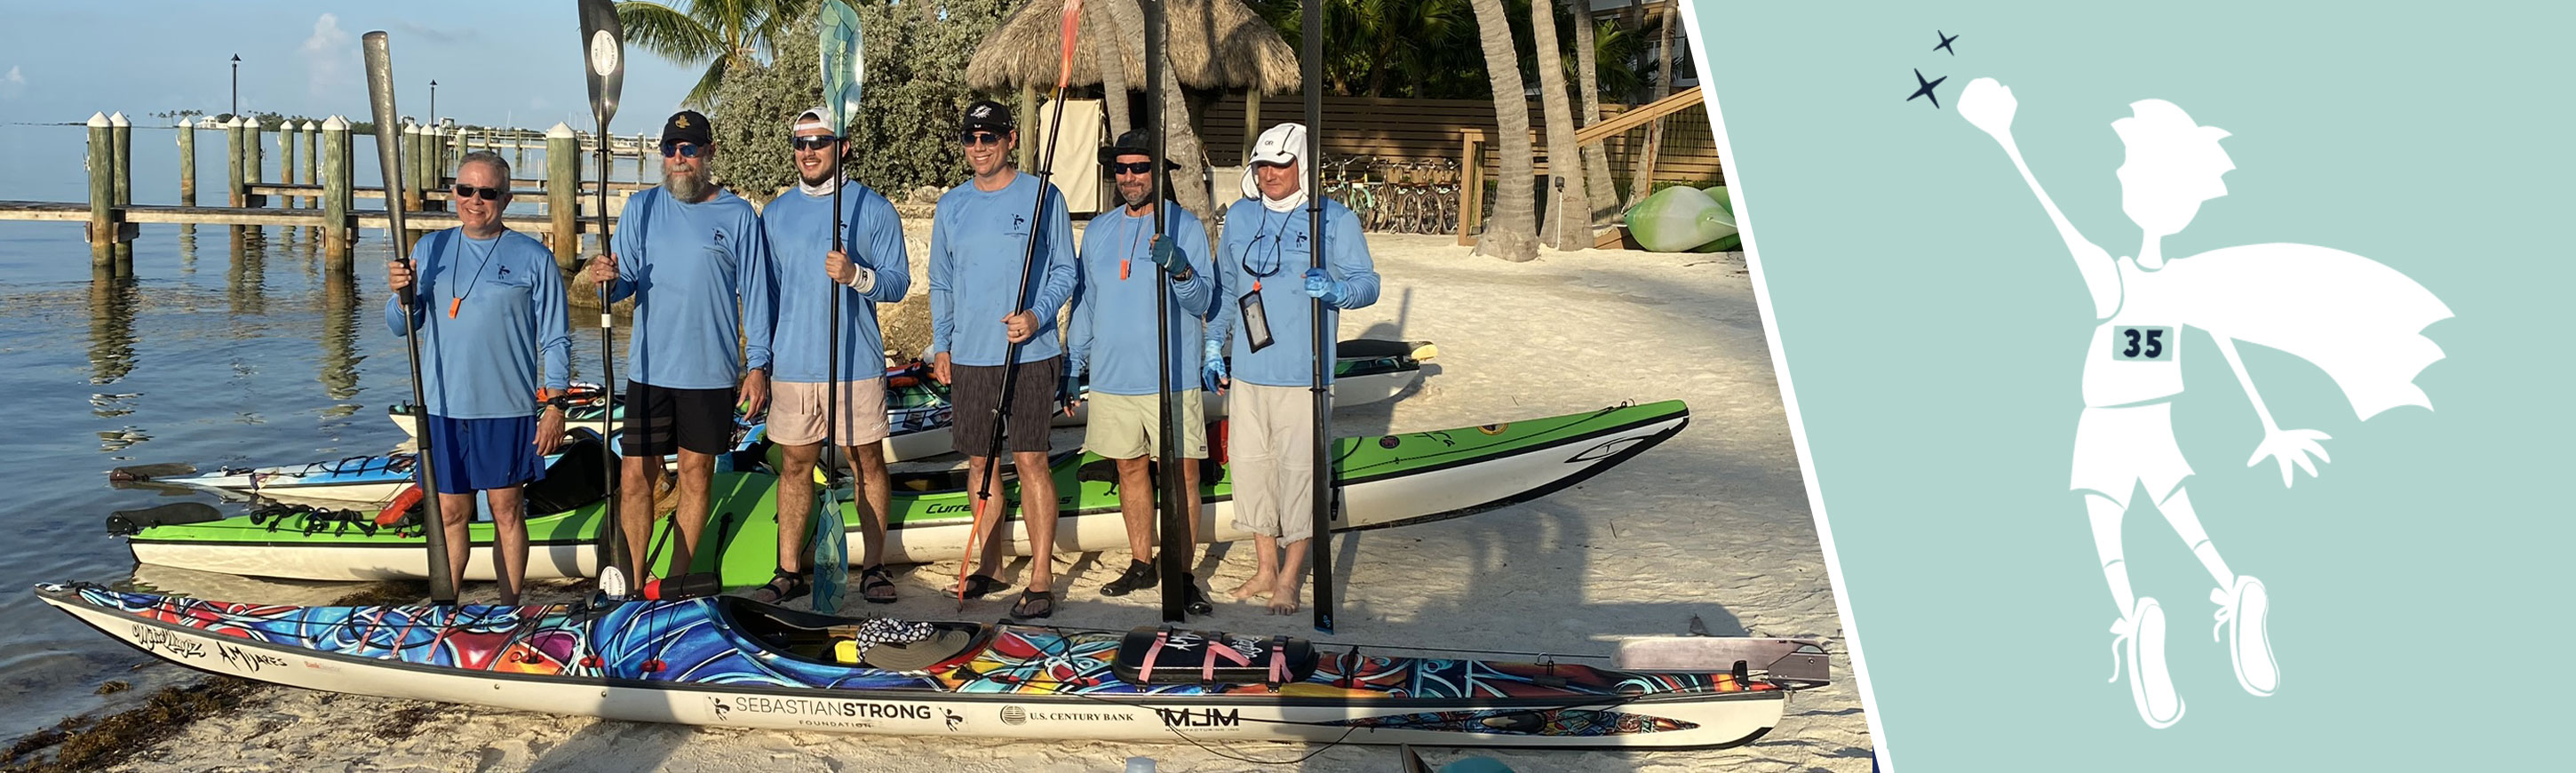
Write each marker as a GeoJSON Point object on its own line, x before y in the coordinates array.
{"type": "Point", "coordinates": [321, 156]}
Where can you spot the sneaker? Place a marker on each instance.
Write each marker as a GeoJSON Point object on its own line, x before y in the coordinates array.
{"type": "Point", "coordinates": [1139, 575]}
{"type": "Point", "coordinates": [2138, 642]}
{"type": "Point", "coordinates": [2243, 611]}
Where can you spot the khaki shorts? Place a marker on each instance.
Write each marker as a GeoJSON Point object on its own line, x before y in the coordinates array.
{"type": "Point", "coordinates": [796, 412]}
{"type": "Point", "coordinates": [1131, 426]}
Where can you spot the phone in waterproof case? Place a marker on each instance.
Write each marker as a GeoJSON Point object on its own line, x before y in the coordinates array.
{"type": "Point", "coordinates": [1256, 323]}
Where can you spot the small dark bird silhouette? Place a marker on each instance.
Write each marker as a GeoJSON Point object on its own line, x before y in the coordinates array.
{"type": "Point", "coordinates": [1945, 43]}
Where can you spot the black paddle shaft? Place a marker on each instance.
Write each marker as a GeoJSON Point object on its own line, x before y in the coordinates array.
{"type": "Point", "coordinates": [1170, 489]}
{"type": "Point", "coordinates": [1320, 548]}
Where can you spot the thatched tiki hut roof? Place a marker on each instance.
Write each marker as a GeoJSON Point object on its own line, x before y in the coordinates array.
{"type": "Point", "coordinates": [1216, 45]}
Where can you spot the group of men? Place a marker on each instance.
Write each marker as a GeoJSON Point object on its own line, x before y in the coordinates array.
{"type": "Point", "coordinates": [733, 309]}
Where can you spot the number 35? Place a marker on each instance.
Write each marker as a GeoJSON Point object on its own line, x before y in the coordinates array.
{"type": "Point", "coordinates": [2144, 343]}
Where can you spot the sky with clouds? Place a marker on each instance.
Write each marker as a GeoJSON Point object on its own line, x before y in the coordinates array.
{"type": "Point", "coordinates": [495, 62]}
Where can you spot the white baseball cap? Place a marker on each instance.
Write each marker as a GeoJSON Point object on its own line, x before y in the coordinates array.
{"type": "Point", "coordinates": [814, 118]}
{"type": "Point", "coordinates": [1282, 144]}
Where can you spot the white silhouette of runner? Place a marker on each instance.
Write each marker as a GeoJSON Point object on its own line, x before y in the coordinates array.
{"type": "Point", "coordinates": [2358, 320]}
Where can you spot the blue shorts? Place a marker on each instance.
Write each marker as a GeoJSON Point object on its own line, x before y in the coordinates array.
{"type": "Point", "coordinates": [478, 454]}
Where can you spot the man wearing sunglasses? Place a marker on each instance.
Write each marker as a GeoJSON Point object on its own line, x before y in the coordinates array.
{"type": "Point", "coordinates": [811, 274]}
{"type": "Point", "coordinates": [1111, 329]}
{"type": "Point", "coordinates": [492, 306]}
{"type": "Point", "coordinates": [1264, 288]}
{"type": "Point", "coordinates": [977, 239]}
{"type": "Point", "coordinates": [691, 254]}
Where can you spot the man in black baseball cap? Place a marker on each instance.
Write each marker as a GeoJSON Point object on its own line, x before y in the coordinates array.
{"type": "Point", "coordinates": [702, 330]}
{"type": "Point", "coordinates": [978, 236]}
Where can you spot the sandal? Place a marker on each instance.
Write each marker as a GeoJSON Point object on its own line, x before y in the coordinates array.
{"type": "Point", "coordinates": [873, 578]}
{"type": "Point", "coordinates": [978, 586]}
{"type": "Point", "coordinates": [1034, 604]}
{"type": "Point", "coordinates": [1195, 601]}
{"type": "Point", "coordinates": [783, 586]}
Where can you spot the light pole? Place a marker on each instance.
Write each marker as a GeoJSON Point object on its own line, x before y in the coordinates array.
{"type": "Point", "coordinates": [433, 103]}
{"type": "Point", "coordinates": [236, 85]}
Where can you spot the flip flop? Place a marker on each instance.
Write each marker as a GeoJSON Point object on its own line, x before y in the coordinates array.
{"type": "Point", "coordinates": [1034, 604]}
{"type": "Point", "coordinates": [978, 586]}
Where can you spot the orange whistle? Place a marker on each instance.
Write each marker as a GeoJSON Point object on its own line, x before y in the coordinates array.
{"type": "Point", "coordinates": [452, 303]}
{"type": "Point", "coordinates": [1122, 269]}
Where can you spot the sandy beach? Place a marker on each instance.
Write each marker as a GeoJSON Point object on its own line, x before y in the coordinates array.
{"type": "Point", "coordinates": [1713, 524]}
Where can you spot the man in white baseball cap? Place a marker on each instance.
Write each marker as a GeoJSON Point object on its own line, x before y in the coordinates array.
{"type": "Point", "coordinates": [812, 274]}
{"type": "Point", "coordinates": [1269, 321]}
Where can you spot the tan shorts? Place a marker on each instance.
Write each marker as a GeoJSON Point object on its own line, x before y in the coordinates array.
{"type": "Point", "coordinates": [1131, 426]}
{"type": "Point", "coordinates": [1269, 444]}
{"type": "Point", "coordinates": [796, 412]}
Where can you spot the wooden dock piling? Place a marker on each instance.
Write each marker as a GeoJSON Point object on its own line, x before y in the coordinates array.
{"type": "Point", "coordinates": [312, 138]}
{"type": "Point", "coordinates": [102, 192]}
{"type": "Point", "coordinates": [253, 159]}
{"type": "Point", "coordinates": [408, 158]}
{"type": "Point", "coordinates": [286, 159]}
{"type": "Point", "coordinates": [563, 194]}
{"type": "Point", "coordinates": [187, 163]}
{"type": "Point", "coordinates": [233, 190]}
{"type": "Point", "coordinates": [336, 184]}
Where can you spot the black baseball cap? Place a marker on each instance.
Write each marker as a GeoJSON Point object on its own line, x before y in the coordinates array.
{"type": "Point", "coordinates": [688, 126]}
{"type": "Point", "coordinates": [989, 116]}
{"type": "Point", "coordinates": [1136, 142]}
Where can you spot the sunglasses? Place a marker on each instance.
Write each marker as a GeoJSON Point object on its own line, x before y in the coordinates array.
{"type": "Point", "coordinates": [971, 139]}
{"type": "Point", "coordinates": [682, 149]}
{"type": "Point", "coordinates": [1133, 167]}
{"type": "Point", "coordinates": [815, 143]}
{"type": "Point", "coordinates": [477, 192]}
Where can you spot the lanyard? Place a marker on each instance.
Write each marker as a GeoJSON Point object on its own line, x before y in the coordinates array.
{"type": "Point", "coordinates": [456, 300]}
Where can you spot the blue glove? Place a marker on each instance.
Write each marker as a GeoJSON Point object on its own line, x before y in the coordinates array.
{"type": "Point", "coordinates": [1169, 258]}
{"type": "Point", "coordinates": [1212, 372]}
{"type": "Point", "coordinates": [1320, 284]}
{"type": "Point", "coordinates": [1072, 385]}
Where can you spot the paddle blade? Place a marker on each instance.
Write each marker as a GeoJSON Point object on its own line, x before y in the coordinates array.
{"type": "Point", "coordinates": [603, 46]}
{"type": "Point", "coordinates": [380, 102]}
{"type": "Point", "coordinates": [1064, 64]}
{"type": "Point", "coordinates": [150, 471]}
{"type": "Point", "coordinates": [829, 554]}
{"type": "Point", "coordinates": [845, 70]}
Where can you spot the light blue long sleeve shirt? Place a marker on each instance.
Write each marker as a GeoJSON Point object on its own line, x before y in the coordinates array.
{"type": "Point", "coordinates": [510, 324]}
{"type": "Point", "coordinates": [798, 229]}
{"type": "Point", "coordinates": [1276, 246]}
{"type": "Point", "coordinates": [699, 277]}
{"type": "Point", "coordinates": [977, 240]}
{"type": "Point", "coordinates": [1111, 327]}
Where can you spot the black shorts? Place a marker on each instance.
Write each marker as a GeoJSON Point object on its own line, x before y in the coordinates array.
{"type": "Point", "coordinates": [973, 390]}
{"type": "Point", "coordinates": [661, 421]}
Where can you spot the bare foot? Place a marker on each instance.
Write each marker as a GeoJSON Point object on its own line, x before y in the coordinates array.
{"type": "Point", "coordinates": [1283, 598]}
{"type": "Point", "coordinates": [1260, 585]}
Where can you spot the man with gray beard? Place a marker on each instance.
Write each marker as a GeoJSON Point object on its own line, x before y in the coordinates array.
{"type": "Point", "coordinates": [692, 255]}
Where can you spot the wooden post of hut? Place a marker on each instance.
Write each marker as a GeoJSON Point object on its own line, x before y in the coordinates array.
{"type": "Point", "coordinates": [1471, 185]}
{"type": "Point", "coordinates": [338, 190]}
{"type": "Point", "coordinates": [563, 194]}
{"type": "Point", "coordinates": [102, 191]}
{"type": "Point", "coordinates": [187, 163]}
{"type": "Point", "coordinates": [233, 162]}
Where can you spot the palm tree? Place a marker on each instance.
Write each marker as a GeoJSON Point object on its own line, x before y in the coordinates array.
{"type": "Point", "coordinates": [1509, 235]}
{"type": "Point", "coordinates": [1569, 210]}
{"type": "Point", "coordinates": [1587, 77]}
{"type": "Point", "coordinates": [723, 33]}
{"type": "Point", "coordinates": [1644, 183]}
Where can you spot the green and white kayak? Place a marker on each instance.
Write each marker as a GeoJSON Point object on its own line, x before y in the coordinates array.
{"type": "Point", "coordinates": [1388, 480]}
{"type": "Point", "coordinates": [918, 412]}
